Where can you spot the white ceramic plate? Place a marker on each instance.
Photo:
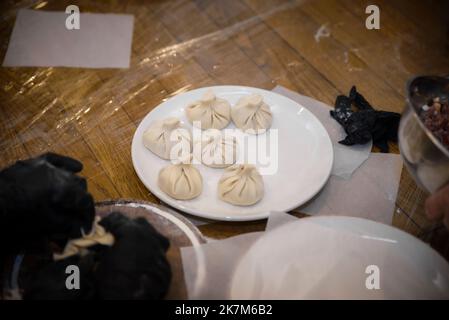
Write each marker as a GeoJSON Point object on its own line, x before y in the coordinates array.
{"type": "Point", "coordinates": [304, 157]}
{"type": "Point", "coordinates": [328, 257]}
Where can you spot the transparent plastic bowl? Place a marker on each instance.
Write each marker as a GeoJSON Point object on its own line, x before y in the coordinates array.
{"type": "Point", "coordinates": [425, 157]}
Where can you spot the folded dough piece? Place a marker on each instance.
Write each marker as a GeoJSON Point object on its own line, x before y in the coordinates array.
{"type": "Point", "coordinates": [168, 139]}
{"type": "Point", "coordinates": [215, 149]}
{"type": "Point", "coordinates": [251, 114]}
{"type": "Point", "coordinates": [181, 181]}
{"type": "Point", "coordinates": [241, 185]}
{"type": "Point", "coordinates": [209, 112]}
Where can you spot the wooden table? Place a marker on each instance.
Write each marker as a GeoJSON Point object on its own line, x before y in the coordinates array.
{"type": "Point", "coordinates": [177, 46]}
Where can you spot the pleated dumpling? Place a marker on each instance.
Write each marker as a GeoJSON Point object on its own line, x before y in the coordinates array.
{"type": "Point", "coordinates": [215, 149]}
{"type": "Point", "coordinates": [209, 112]}
{"type": "Point", "coordinates": [251, 114]}
{"type": "Point", "coordinates": [165, 136]}
{"type": "Point", "coordinates": [241, 184]}
{"type": "Point", "coordinates": [181, 181]}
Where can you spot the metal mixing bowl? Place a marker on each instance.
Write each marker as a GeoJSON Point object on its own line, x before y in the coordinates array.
{"type": "Point", "coordinates": [426, 158]}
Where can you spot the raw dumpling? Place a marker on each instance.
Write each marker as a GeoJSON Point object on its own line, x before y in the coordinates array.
{"type": "Point", "coordinates": [181, 181]}
{"type": "Point", "coordinates": [251, 114]}
{"type": "Point", "coordinates": [209, 112]}
{"type": "Point", "coordinates": [215, 149]}
{"type": "Point", "coordinates": [241, 184]}
{"type": "Point", "coordinates": [165, 136]}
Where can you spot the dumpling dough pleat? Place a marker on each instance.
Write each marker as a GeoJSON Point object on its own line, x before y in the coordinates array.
{"type": "Point", "coordinates": [241, 184]}
{"type": "Point", "coordinates": [209, 112]}
{"type": "Point", "coordinates": [164, 135]}
{"type": "Point", "coordinates": [181, 181]}
{"type": "Point", "coordinates": [215, 149]}
{"type": "Point", "coordinates": [252, 115]}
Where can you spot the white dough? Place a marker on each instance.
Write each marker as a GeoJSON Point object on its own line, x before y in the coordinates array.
{"type": "Point", "coordinates": [251, 114]}
{"type": "Point", "coordinates": [241, 184]}
{"type": "Point", "coordinates": [215, 149]}
{"type": "Point", "coordinates": [209, 112]}
{"type": "Point", "coordinates": [181, 181]}
{"type": "Point", "coordinates": [168, 139]}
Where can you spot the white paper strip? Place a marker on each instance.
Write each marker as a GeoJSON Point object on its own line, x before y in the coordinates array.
{"type": "Point", "coordinates": [41, 39]}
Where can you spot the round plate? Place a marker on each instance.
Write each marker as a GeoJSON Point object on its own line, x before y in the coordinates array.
{"type": "Point", "coordinates": [333, 258]}
{"type": "Point", "coordinates": [295, 172]}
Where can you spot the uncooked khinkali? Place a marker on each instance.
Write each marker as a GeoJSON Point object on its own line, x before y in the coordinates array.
{"type": "Point", "coordinates": [215, 149]}
{"type": "Point", "coordinates": [181, 181]}
{"type": "Point", "coordinates": [241, 184]}
{"type": "Point", "coordinates": [168, 139]}
{"type": "Point", "coordinates": [251, 114]}
{"type": "Point", "coordinates": [209, 112]}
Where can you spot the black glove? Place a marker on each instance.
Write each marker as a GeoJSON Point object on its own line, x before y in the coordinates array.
{"type": "Point", "coordinates": [49, 282]}
{"type": "Point", "coordinates": [366, 123]}
{"type": "Point", "coordinates": [43, 199]}
{"type": "Point", "coordinates": [135, 267]}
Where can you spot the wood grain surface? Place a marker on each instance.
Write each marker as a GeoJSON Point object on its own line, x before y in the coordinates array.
{"type": "Point", "coordinates": [91, 114]}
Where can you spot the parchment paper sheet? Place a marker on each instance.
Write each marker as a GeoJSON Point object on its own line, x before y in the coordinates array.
{"type": "Point", "coordinates": [41, 39]}
{"type": "Point", "coordinates": [346, 158]}
{"type": "Point", "coordinates": [370, 193]}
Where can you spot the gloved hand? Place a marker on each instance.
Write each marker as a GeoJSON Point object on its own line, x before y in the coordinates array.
{"type": "Point", "coordinates": [43, 199]}
{"type": "Point", "coordinates": [49, 282]}
{"type": "Point", "coordinates": [135, 267]}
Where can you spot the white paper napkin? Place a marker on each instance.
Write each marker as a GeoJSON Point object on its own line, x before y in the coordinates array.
{"type": "Point", "coordinates": [370, 193]}
{"type": "Point", "coordinates": [41, 39]}
{"type": "Point", "coordinates": [346, 158]}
